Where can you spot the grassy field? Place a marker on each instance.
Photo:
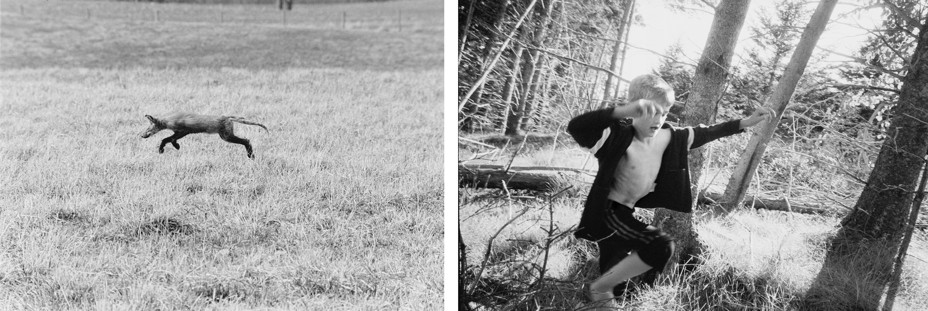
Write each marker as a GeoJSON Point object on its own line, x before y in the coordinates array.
{"type": "Point", "coordinates": [341, 209]}
{"type": "Point", "coordinates": [751, 260]}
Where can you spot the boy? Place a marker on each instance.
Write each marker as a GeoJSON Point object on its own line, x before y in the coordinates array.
{"type": "Point", "coordinates": [643, 164]}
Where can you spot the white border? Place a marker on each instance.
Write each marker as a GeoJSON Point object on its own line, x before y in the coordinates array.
{"type": "Point", "coordinates": [450, 160]}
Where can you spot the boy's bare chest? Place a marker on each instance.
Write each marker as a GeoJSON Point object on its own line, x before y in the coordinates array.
{"type": "Point", "coordinates": [642, 160]}
{"type": "Point", "coordinates": [637, 170]}
{"type": "Point", "coordinates": [648, 154]}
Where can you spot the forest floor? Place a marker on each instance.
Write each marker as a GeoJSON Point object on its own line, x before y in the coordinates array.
{"type": "Point", "coordinates": [752, 259]}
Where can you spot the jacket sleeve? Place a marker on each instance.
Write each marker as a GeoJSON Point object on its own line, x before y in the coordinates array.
{"type": "Point", "coordinates": [703, 134]}
{"type": "Point", "coordinates": [587, 128]}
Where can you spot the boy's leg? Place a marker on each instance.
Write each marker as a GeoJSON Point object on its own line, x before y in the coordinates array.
{"type": "Point", "coordinates": [652, 250]}
{"type": "Point", "coordinates": [611, 251]}
{"type": "Point", "coordinates": [621, 272]}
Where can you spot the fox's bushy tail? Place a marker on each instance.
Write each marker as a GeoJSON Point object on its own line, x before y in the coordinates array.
{"type": "Point", "coordinates": [243, 121]}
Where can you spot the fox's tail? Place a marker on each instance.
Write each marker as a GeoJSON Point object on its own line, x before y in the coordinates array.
{"type": "Point", "coordinates": [243, 121]}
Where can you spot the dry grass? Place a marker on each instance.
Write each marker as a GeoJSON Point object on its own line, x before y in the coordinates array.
{"type": "Point", "coordinates": [340, 210]}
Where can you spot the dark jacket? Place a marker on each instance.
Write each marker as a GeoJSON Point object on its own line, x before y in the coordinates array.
{"type": "Point", "coordinates": [672, 189]}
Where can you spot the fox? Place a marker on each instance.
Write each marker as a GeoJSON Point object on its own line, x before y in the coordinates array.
{"type": "Point", "coordinates": [185, 123]}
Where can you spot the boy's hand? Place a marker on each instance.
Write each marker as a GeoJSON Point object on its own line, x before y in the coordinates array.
{"type": "Point", "coordinates": [641, 107]}
{"type": "Point", "coordinates": [759, 115]}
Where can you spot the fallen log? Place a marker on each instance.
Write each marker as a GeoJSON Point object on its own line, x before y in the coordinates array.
{"type": "Point", "coordinates": [803, 207]}
{"type": "Point", "coordinates": [532, 141]}
{"type": "Point", "coordinates": [550, 179]}
{"type": "Point", "coordinates": [537, 178]}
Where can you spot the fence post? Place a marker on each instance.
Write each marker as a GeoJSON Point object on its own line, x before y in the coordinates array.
{"type": "Point", "coordinates": [88, 13]}
{"type": "Point", "coordinates": [344, 18]}
{"type": "Point", "coordinates": [399, 20]}
{"type": "Point", "coordinates": [157, 15]}
{"type": "Point", "coordinates": [22, 11]}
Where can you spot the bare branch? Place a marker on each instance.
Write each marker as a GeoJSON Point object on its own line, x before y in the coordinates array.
{"type": "Point", "coordinates": [861, 86]}
{"type": "Point", "coordinates": [486, 255]}
{"type": "Point", "coordinates": [562, 57]}
{"type": "Point", "coordinates": [858, 9]}
{"type": "Point", "coordinates": [700, 9]}
{"type": "Point", "coordinates": [864, 62]}
{"type": "Point", "coordinates": [693, 64]}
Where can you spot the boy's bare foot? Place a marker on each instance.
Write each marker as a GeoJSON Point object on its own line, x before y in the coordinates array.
{"type": "Point", "coordinates": [599, 301]}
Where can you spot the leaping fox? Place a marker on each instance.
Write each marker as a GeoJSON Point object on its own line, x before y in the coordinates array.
{"type": "Point", "coordinates": [183, 123]}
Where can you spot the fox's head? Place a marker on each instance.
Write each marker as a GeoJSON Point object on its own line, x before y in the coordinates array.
{"type": "Point", "coordinates": [156, 126]}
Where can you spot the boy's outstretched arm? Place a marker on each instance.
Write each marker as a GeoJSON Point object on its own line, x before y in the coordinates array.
{"type": "Point", "coordinates": [700, 135]}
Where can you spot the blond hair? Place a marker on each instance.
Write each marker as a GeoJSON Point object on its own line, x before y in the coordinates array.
{"type": "Point", "coordinates": [651, 87]}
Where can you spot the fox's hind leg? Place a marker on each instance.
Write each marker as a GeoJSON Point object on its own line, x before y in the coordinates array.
{"type": "Point", "coordinates": [230, 137]}
{"type": "Point", "coordinates": [171, 139]}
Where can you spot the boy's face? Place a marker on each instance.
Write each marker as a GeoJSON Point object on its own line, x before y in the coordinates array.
{"type": "Point", "coordinates": [648, 125]}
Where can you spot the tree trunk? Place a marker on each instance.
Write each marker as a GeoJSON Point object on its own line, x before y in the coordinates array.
{"type": "Point", "coordinates": [750, 158]}
{"type": "Point", "coordinates": [894, 283]}
{"type": "Point", "coordinates": [708, 86]}
{"type": "Point", "coordinates": [628, 27]}
{"type": "Point", "coordinates": [464, 31]}
{"type": "Point", "coordinates": [500, 18]}
{"type": "Point", "coordinates": [871, 236]}
{"type": "Point", "coordinates": [519, 114]}
{"type": "Point", "coordinates": [528, 107]}
{"type": "Point", "coordinates": [612, 82]}
{"type": "Point", "coordinates": [802, 207]}
{"type": "Point", "coordinates": [510, 88]}
{"type": "Point", "coordinates": [488, 48]}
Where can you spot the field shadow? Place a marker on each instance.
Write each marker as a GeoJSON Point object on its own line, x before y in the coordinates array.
{"type": "Point", "coordinates": [69, 216]}
{"type": "Point", "coordinates": [219, 291]}
{"type": "Point", "coordinates": [164, 226]}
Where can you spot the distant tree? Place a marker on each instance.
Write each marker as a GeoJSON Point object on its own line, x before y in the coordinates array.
{"type": "Point", "coordinates": [521, 109]}
{"type": "Point", "coordinates": [625, 9]}
{"type": "Point", "coordinates": [874, 73]}
{"type": "Point", "coordinates": [285, 5]}
{"type": "Point", "coordinates": [772, 42]}
{"type": "Point", "coordinates": [871, 237]}
{"type": "Point", "coordinates": [679, 74]}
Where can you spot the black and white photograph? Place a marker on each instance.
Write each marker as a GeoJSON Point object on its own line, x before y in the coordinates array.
{"type": "Point", "coordinates": [598, 155]}
{"type": "Point", "coordinates": [221, 155]}
{"type": "Point", "coordinates": [692, 155]}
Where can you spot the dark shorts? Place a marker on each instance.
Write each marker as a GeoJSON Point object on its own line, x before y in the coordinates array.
{"type": "Point", "coordinates": [630, 234]}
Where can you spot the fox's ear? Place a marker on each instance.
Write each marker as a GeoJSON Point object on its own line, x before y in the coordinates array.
{"type": "Point", "coordinates": [152, 119]}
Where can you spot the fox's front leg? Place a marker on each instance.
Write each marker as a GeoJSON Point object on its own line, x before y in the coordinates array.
{"type": "Point", "coordinates": [171, 139]}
